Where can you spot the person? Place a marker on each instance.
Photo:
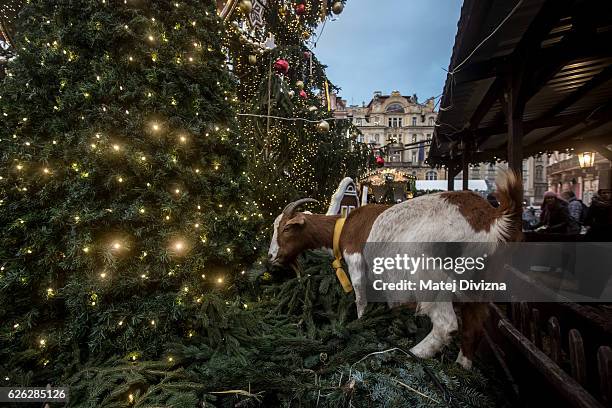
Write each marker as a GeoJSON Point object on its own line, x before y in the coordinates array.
{"type": "Point", "coordinates": [555, 216]}
{"type": "Point", "coordinates": [599, 217]}
{"type": "Point", "coordinates": [492, 200]}
{"type": "Point", "coordinates": [575, 207]}
{"type": "Point", "coordinates": [529, 218]}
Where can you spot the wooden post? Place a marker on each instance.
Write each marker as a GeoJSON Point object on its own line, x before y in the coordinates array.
{"type": "Point", "coordinates": [554, 331]}
{"type": "Point", "coordinates": [604, 363]}
{"type": "Point", "coordinates": [452, 172]}
{"type": "Point", "coordinates": [465, 171]}
{"type": "Point", "coordinates": [536, 334]}
{"type": "Point", "coordinates": [577, 359]}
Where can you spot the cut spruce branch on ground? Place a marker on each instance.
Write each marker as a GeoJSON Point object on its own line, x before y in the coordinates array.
{"type": "Point", "coordinates": [303, 346]}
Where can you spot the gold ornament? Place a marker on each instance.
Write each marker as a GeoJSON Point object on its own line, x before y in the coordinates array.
{"type": "Point", "coordinates": [306, 35]}
{"type": "Point", "coordinates": [312, 108]}
{"type": "Point", "coordinates": [300, 84]}
{"type": "Point", "coordinates": [252, 59]}
{"type": "Point", "coordinates": [338, 7]}
{"type": "Point", "coordinates": [323, 126]}
{"type": "Point", "coordinates": [246, 6]}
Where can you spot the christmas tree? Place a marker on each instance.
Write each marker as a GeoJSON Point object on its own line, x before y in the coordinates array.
{"type": "Point", "coordinates": [123, 194]}
{"type": "Point", "coordinates": [295, 147]}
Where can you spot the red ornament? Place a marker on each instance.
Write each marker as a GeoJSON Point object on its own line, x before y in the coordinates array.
{"type": "Point", "coordinates": [307, 54]}
{"type": "Point", "coordinates": [300, 9]}
{"type": "Point", "coordinates": [303, 94]}
{"type": "Point", "coordinates": [380, 161]}
{"type": "Point", "coordinates": [281, 66]}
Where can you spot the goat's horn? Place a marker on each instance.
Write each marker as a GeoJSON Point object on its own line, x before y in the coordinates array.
{"type": "Point", "coordinates": [291, 207]}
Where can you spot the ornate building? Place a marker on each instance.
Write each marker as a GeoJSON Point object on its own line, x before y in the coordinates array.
{"type": "Point", "coordinates": [400, 126]}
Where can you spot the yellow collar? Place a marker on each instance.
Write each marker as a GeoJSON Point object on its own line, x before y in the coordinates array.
{"type": "Point", "coordinates": [337, 263]}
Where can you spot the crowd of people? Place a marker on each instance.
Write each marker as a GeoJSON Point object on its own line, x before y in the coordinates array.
{"type": "Point", "coordinates": [566, 214]}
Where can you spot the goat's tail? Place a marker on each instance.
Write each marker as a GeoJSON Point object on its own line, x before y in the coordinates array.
{"type": "Point", "coordinates": [510, 197]}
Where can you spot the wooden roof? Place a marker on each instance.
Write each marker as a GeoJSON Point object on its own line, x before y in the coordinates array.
{"type": "Point", "coordinates": [550, 61]}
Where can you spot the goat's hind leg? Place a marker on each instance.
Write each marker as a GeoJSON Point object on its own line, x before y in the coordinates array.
{"type": "Point", "coordinates": [357, 270]}
{"type": "Point", "coordinates": [444, 321]}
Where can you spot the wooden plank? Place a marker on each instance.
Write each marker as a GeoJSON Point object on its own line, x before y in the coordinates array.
{"type": "Point", "coordinates": [566, 386]}
{"type": "Point", "coordinates": [604, 364]}
{"type": "Point", "coordinates": [554, 332]}
{"type": "Point", "coordinates": [577, 359]}
{"type": "Point", "coordinates": [536, 328]}
{"type": "Point", "coordinates": [525, 320]}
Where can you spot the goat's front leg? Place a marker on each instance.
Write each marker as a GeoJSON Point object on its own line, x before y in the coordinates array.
{"type": "Point", "coordinates": [444, 321]}
{"type": "Point", "coordinates": [357, 270]}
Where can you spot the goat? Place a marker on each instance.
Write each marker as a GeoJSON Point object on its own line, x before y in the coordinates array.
{"type": "Point", "coordinates": [461, 216]}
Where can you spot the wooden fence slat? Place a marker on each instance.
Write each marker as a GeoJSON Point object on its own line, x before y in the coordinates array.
{"type": "Point", "coordinates": [577, 359]}
{"type": "Point", "coordinates": [536, 333]}
{"type": "Point", "coordinates": [554, 332]}
{"type": "Point", "coordinates": [515, 315]}
{"type": "Point", "coordinates": [525, 319]}
{"type": "Point", "coordinates": [604, 364]}
{"type": "Point", "coordinates": [568, 388]}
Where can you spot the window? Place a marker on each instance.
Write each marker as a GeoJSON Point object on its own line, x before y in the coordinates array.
{"type": "Point", "coordinates": [358, 121]}
{"type": "Point", "coordinates": [395, 108]}
{"type": "Point", "coordinates": [399, 121]}
{"type": "Point", "coordinates": [539, 173]}
{"type": "Point", "coordinates": [414, 138]}
{"type": "Point", "coordinates": [431, 175]}
{"type": "Point", "coordinates": [414, 121]}
{"type": "Point", "coordinates": [429, 136]}
{"type": "Point", "coordinates": [376, 139]}
{"type": "Point", "coordinates": [360, 138]}
{"type": "Point", "coordinates": [431, 121]}
{"type": "Point", "coordinates": [390, 122]}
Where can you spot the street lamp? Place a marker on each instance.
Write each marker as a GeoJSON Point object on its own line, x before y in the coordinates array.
{"type": "Point", "coordinates": [586, 159]}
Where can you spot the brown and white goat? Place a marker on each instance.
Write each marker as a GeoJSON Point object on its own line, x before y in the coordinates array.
{"type": "Point", "coordinates": [461, 216]}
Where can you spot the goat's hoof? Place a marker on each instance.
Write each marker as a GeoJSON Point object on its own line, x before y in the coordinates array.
{"type": "Point", "coordinates": [463, 361]}
{"type": "Point", "coordinates": [422, 351]}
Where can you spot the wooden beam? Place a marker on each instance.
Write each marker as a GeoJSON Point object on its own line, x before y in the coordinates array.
{"type": "Point", "coordinates": [604, 151]}
{"type": "Point", "coordinates": [493, 93]}
{"type": "Point", "coordinates": [580, 93]}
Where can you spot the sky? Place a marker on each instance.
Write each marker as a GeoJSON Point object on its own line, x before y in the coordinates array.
{"type": "Point", "coordinates": [386, 45]}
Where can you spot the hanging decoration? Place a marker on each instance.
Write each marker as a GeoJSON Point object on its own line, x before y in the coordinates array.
{"type": "Point", "coordinates": [246, 6]}
{"type": "Point", "coordinates": [300, 84]}
{"type": "Point", "coordinates": [300, 9]}
{"type": "Point", "coordinates": [338, 7]}
{"type": "Point", "coordinates": [323, 126]}
{"type": "Point", "coordinates": [281, 66]}
{"type": "Point", "coordinates": [256, 18]}
{"type": "Point", "coordinates": [225, 8]}
{"type": "Point", "coordinates": [323, 10]}
{"type": "Point", "coordinates": [380, 161]}
{"type": "Point", "coordinates": [252, 59]}
{"type": "Point", "coordinates": [303, 94]}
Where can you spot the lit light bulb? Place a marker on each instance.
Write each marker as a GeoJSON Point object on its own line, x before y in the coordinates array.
{"type": "Point", "coordinates": [86, 249]}
{"type": "Point", "coordinates": [116, 245]}
{"type": "Point", "coordinates": [219, 280]}
{"type": "Point", "coordinates": [179, 246]}
{"type": "Point", "coordinates": [46, 170]}
{"type": "Point", "coordinates": [103, 275]}
{"type": "Point", "coordinates": [116, 147]}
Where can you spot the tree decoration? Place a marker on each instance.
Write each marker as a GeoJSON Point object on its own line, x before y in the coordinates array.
{"type": "Point", "coordinates": [300, 9]}
{"type": "Point", "coordinates": [246, 6]}
{"type": "Point", "coordinates": [252, 59]}
{"type": "Point", "coordinates": [303, 94]}
{"type": "Point", "coordinates": [338, 7]}
{"type": "Point", "coordinates": [281, 66]}
{"type": "Point", "coordinates": [300, 84]}
{"type": "Point", "coordinates": [380, 161]}
{"type": "Point", "coordinates": [323, 126]}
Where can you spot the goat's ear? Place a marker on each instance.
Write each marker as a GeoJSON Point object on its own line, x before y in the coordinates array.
{"type": "Point", "coordinates": [298, 220]}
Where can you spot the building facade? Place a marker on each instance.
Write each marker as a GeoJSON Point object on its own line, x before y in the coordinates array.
{"type": "Point", "coordinates": [399, 126]}
{"type": "Point", "coordinates": [402, 128]}
{"type": "Point", "coordinates": [565, 174]}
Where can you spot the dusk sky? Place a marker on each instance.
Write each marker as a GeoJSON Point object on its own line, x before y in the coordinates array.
{"type": "Point", "coordinates": [386, 45]}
